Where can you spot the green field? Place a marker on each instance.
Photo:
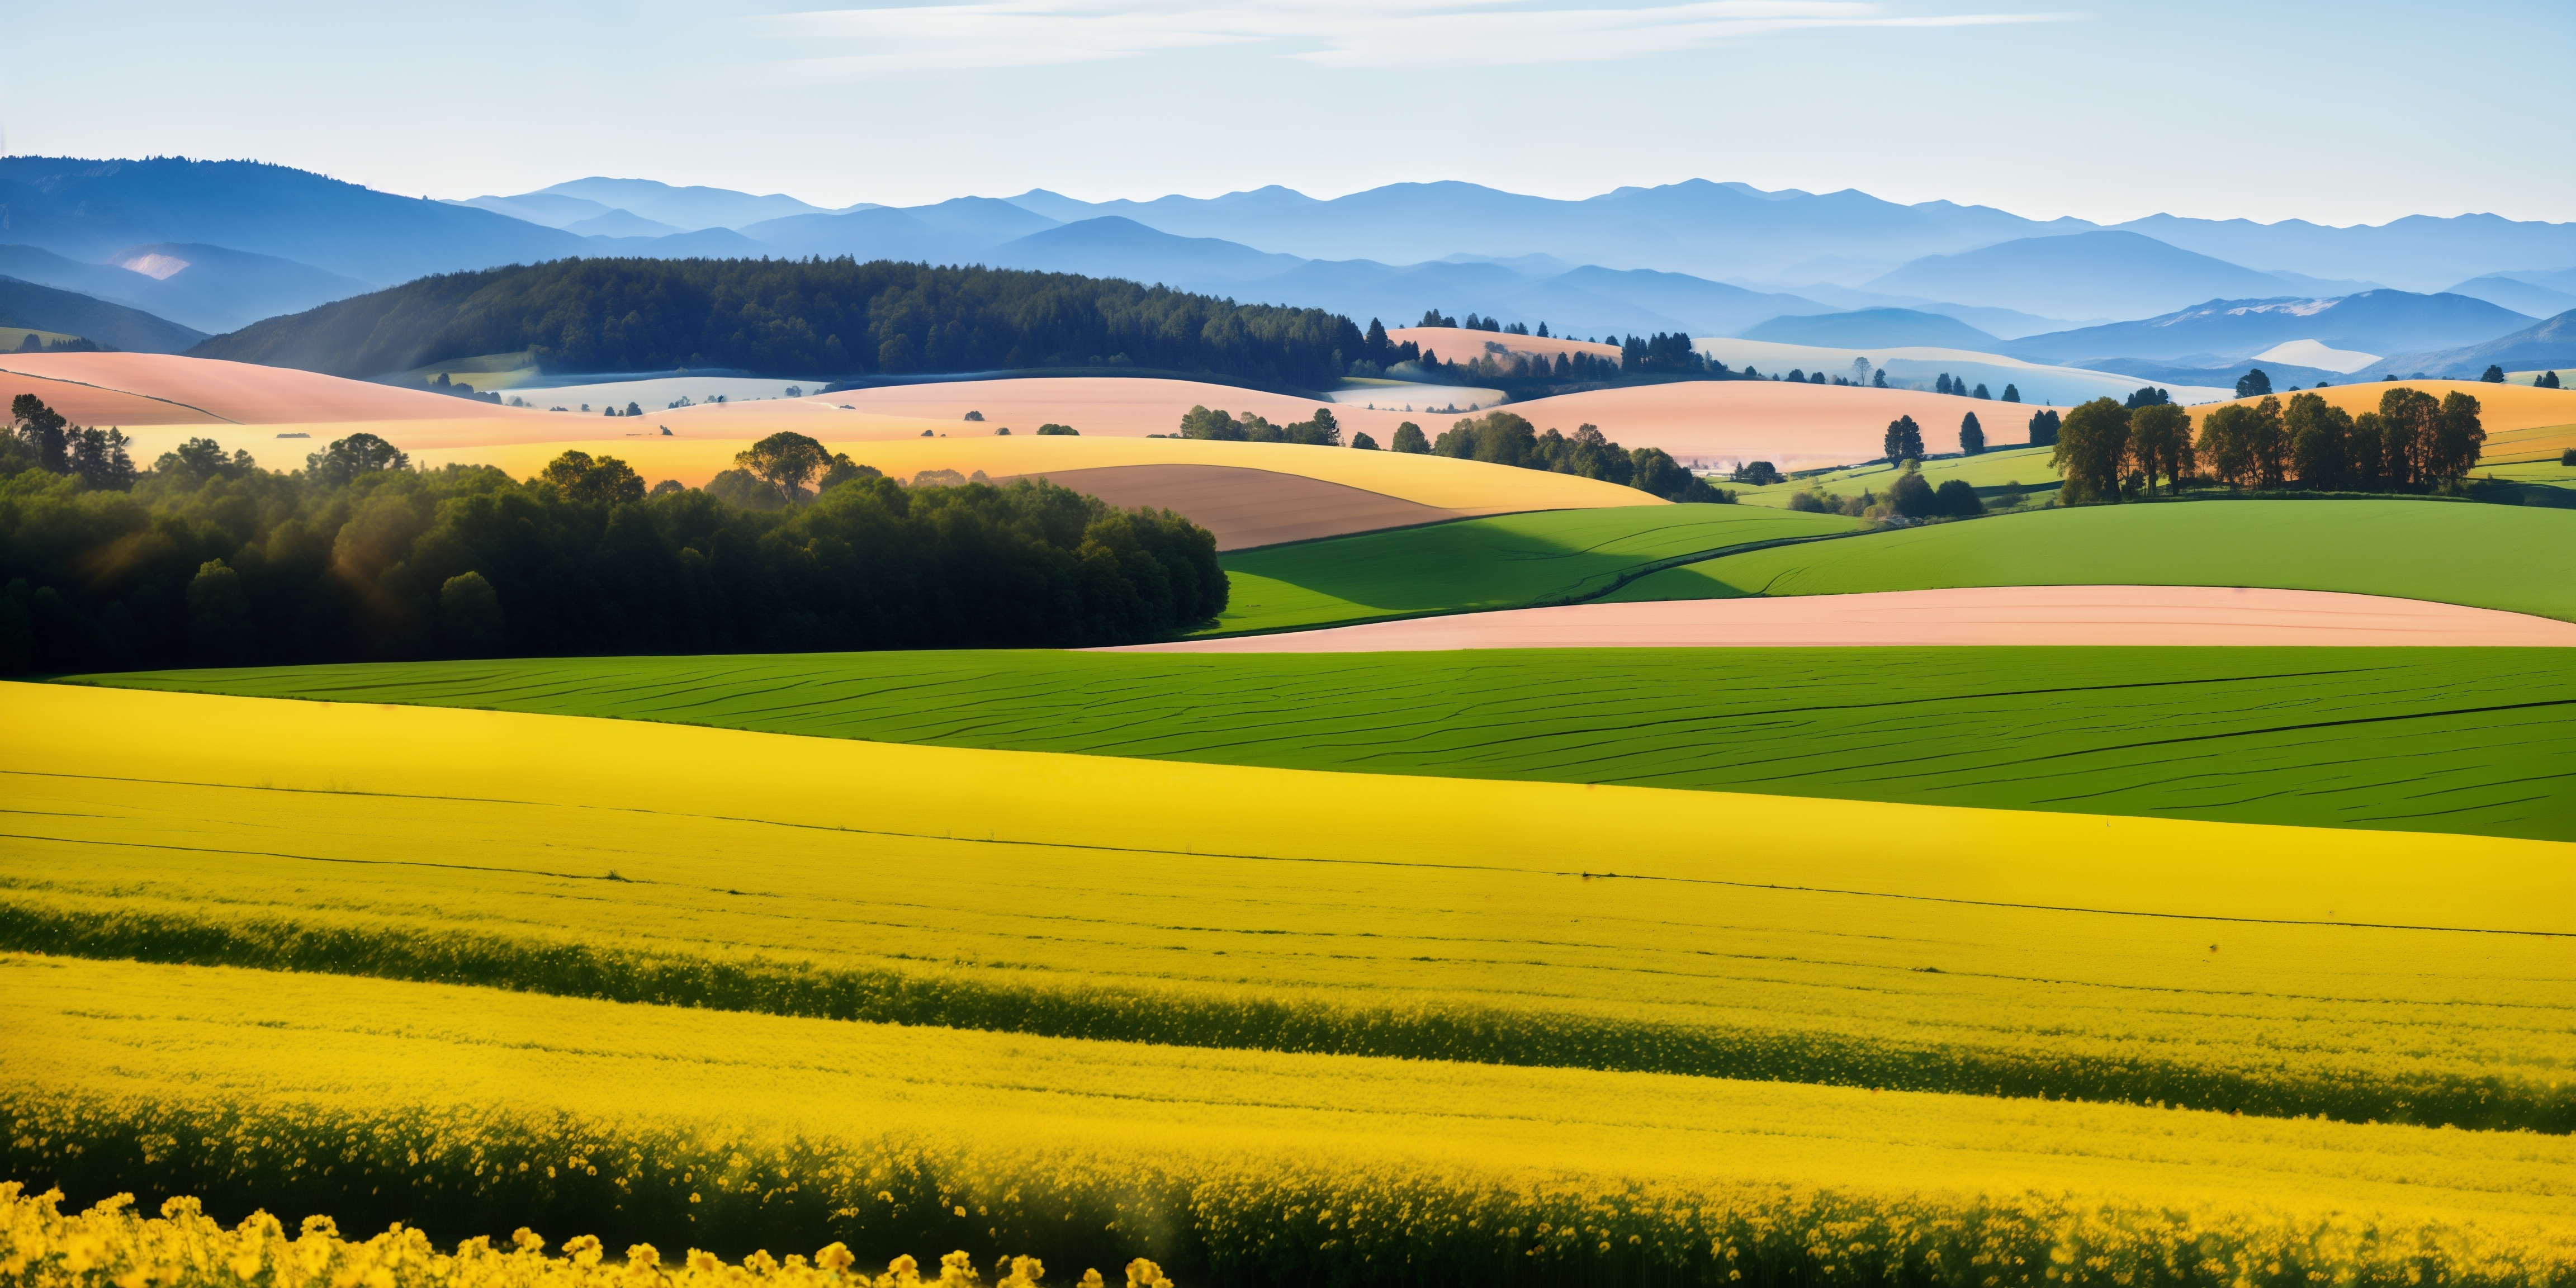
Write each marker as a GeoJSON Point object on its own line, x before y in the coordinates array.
{"type": "Point", "coordinates": [2485, 556]}
{"type": "Point", "coordinates": [1987, 472]}
{"type": "Point", "coordinates": [1508, 561]}
{"type": "Point", "coordinates": [2446, 740]}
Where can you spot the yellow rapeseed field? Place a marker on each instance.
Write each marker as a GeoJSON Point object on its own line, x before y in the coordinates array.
{"type": "Point", "coordinates": [43, 1247]}
{"type": "Point", "coordinates": [469, 1112]}
{"type": "Point", "coordinates": [1338, 912]}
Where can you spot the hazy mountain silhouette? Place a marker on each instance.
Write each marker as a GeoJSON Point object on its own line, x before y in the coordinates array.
{"type": "Point", "coordinates": [2549, 345]}
{"type": "Point", "coordinates": [1876, 329]}
{"type": "Point", "coordinates": [46, 308]}
{"type": "Point", "coordinates": [2095, 274]}
{"type": "Point", "coordinates": [2221, 331]}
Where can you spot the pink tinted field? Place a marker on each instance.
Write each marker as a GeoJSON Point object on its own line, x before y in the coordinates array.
{"type": "Point", "coordinates": [2012, 615]}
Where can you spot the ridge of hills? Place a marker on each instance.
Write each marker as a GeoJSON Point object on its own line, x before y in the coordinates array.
{"type": "Point", "coordinates": [2222, 330]}
{"type": "Point", "coordinates": [2549, 344]}
{"type": "Point", "coordinates": [45, 308]}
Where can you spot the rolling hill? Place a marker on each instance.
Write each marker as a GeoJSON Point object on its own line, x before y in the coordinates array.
{"type": "Point", "coordinates": [2092, 274]}
{"type": "Point", "coordinates": [88, 210]}
{"type": "Point", "coordinates": [1874, 329]}
{"type": "Point", "coordinates": [43, 308]}
{"type": "Point", "coordinates": [2549, 344]}
{"type": "Point", "coordinates": [2376, 322]}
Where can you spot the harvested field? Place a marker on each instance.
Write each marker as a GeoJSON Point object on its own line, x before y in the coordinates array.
{"type": "Point", "coordinates": [1795, 427]}
{"type": "Point", "coordinates": [85, 404]}
{"type": "Point", "coordinates": [2479, 737]}
{"type": "Point", "coordinates": [1458, 344]}
{"type": "Point", "coordinates": [1247, 508]}
{"type": "Point", "coordinates": [199, 390]}
{"type": "Point", "coordinates": [2010, 615]}
{"type": "Point", "coordinates": [1473, 487]}
{"type": "Point", "coordinates": [2442, 551]}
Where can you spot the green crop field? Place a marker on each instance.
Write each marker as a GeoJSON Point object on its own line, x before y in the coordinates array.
{"type": "Point", "coordinates": [2486, 556]}
{"type": "Point", "coordinates": [1988, 472]}
{"type": "Point", "coordinates": [2482, 740]}
{"type": "Point", "coordinates": [1508, 561]}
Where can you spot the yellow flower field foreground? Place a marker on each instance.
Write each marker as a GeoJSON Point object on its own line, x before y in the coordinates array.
{"type": "Point", "coordinates": [109, 1243]}
{"type": "Point", "coordinates": [2017, 857]}
{"type": "Point", "coordinates": [468, 1112]}
{"type": "Point", "coordinates": [43, 1247]}
{"type": "Point", "coordinates": [1358, 914]}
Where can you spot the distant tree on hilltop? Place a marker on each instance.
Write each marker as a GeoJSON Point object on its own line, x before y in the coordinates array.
{"type": "Point", "coordinates": [1904, 440]}
{"type": "Point", "coordinates": [2253, 384]}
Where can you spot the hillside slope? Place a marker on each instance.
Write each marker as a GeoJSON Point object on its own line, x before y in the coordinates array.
{"type": "Point", "coordinates": [43, 308]}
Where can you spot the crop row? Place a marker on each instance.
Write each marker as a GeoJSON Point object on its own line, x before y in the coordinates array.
{"type": "Point", "coordinates": [1465, 1029]}
{"type": "Point", "coordinates": [2418, 739]}
{"type": "Point", "coordinates": [467, 1113]}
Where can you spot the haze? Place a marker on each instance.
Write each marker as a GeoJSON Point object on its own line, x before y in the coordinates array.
{"type": "Point", "coordinates": [2333, 113]}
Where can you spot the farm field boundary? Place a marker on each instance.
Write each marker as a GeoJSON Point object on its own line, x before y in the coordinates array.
{"type": "Point", "coordinates": [2480, 739]}
{"type": "Point", "coordinates": [1233, 907]}
{"type": "Point", "coordinates": [477, 1111]}
{"type": "Point", "coordinates": [2448, 552]}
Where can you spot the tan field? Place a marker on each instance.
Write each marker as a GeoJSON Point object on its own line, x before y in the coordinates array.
{"type": "Point", "coordinates": [1792, 426]}
{"type": "Point", "coordinates": [1458, 344]}
{"type": "Point", "coordinates": [1472, 487]}
{"type": "Point", "coordinates": [2008, 615]}
{"type": "Point", "coordinates": [2502, 408]}
{"type": "Point", "coordinates": [1247, 508]}
{"type": "Point", "coordinates": [128, 389]}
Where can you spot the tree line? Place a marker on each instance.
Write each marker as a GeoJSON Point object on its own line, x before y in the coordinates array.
{"type": "Point", "coordinates": [208, 559]}
{"type": "Point", "coordinates": [1506, 438]}
{"type": "Point", "coordinates": [2412, 442]}
{"type": "Point", "coordinates": [788, 317]}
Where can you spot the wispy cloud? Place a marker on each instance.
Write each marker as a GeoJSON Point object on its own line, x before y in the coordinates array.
{"type": "Point", "coordinates": [1328, 33]}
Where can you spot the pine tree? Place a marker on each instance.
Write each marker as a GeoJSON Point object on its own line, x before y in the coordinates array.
{"type": "Point", "coordinates": [1904, 441]}
{"type": "Point", "coordinates": [2011, 394]}
{"type": "Point", "coordinates": [1972, 436]}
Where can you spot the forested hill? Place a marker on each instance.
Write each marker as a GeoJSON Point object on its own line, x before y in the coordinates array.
{"type": "Point", "coordinates": [801, 318]}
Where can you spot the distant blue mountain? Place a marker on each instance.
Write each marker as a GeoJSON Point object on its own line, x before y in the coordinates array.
{"type": "Point", "coordinates": [1112, 246]}
{"type": "Point", "coordinates": [88, 210]}
{"type": "Point", "coordinates": [2549, 345]}
{"type": "Point", "coordinates": [1875, 329]}
{"type": "Point", "coordinates": [2519, 295]}
{"type": "Point", "coordinates": [46, 308]}
{"type": "Point", "coordinates": [204, 288]}
{"type": "Point", "coordinates": [2221, 331]}
{"type": "Point", "coordinates": [2094, 274]}
{"type": "Point", "coordinates": [685, 208]}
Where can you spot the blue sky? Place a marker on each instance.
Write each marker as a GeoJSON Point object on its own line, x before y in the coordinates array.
{"type": "Point", "coordinates": [2338, 113]}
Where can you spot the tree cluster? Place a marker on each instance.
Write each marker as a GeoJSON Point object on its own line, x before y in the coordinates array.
{"type": "Point", "coordinates": [832, 317]}
{"type": "Point", "coordinates": [211, 560]}
{"type": "Point", "coordinates": [1505, 438]}
{"type": "Point", "coordinates": [2043, 428]}
{"type": "Point", "coordinates": [1319, 430]}
{"type": "Point", "coordinates": [41, 438]}
{"type": "Point", "coordinates": [1945, 385]}
{"type": "Point", "coordinates": [2412, 442]}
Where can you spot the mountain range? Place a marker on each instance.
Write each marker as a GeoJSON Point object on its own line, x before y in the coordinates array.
{"type": "Point", "coordinates": [213, 245]}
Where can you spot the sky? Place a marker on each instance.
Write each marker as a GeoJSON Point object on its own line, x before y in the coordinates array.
{"type": "Point", "coordinates": [2337, 113]}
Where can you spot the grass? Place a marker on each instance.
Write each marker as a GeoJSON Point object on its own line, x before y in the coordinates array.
{"type": "Point", "coordinates": [2486, 556]}
{"type": "Point", "coordinates": [469, 1112]}
{"type": "Point", "coordinates": [1506, 561]}
{"type": "Point", "coordinates": [1988, 472]}
{"type": "Point", "coordinates": [2418, 739]}
{"type": "Point", "coordinates": [2242, 969]}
